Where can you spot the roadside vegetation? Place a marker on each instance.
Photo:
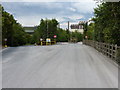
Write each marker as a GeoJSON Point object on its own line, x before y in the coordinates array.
{"type": "Point", "coordinates": [48, 28]}
{"type": "Point", "coordinates": [106, 26]}
{"type": "Point", "coordinates": [13, 34]}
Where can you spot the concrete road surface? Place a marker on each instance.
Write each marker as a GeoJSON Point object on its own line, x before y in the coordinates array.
{"type": "Point", "coordinates": [58, 66]}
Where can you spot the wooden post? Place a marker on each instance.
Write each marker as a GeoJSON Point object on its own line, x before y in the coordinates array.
{"type": "Point", "coordinates": [112, 52]}
{"type": "Point", "coordinates": [116, 52]}
{"type": "Point", "coordinates": [103, 48]}
{"type": "Point", "coordinates": [108, 50]}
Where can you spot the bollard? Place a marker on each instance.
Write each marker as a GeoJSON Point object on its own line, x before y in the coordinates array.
{"type": "Point", "coordinates": [41, 43]}
{"type": "Point", "coordinates": [46, 43]}
{"type": "Point", "coordinates": [5, 46]}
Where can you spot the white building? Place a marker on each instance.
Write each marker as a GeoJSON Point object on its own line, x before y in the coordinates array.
{"type": "Point", "coordinates": [77, 27]}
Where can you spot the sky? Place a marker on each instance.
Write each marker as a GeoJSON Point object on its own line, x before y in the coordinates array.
{"type": "Point", "coordinates": [29, 13]}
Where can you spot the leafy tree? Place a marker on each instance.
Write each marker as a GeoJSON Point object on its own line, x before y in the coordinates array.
{"type": "Point", "coordinates": [107, 22]}
{"type": "Point", "coordinates": [77, 35]}
{"type": "Point", "coordinates": [62, 35]}
{"type": "Point", "coordinates": [46, 29]}
{"type": "Point", "coordinates": [90, 32]}
{"type": "Point", "coordinates": [12, 30]}
{"type": "Point", "coordinates": [68, 34]}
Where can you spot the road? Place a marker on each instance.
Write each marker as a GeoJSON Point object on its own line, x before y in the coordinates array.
{"type": "Point", "coordinates": [58, 66]}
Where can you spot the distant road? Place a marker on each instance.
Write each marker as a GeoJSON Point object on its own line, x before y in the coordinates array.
{"type": "Point", "coordinates": [58, 66]}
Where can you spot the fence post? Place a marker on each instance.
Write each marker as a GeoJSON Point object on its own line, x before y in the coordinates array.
{"type": "Point", "coordinates": [104, 48]}
{"type": "Point", "coordinates": [116, 52]}
{"type": "Point", "coordinates": [109, 50]}
{"type": "Point", "coordinates": [112, 52]}
{"type": "Point", "coordinates": [102, 45]}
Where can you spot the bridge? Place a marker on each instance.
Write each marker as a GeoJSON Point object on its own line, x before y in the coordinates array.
{"type": "Point", "coordinates": [65, 65]}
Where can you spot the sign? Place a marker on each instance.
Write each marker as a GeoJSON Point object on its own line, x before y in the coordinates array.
{"type": "Point", "coordinates": [55, 36]}
{"type": "Point", "coordinates": [48, 40]}
{"type": "Point", "coordinates": [86, 37]}
{"type": "Point", "coordinates": [5, 39]}
{"type": "Point", "coordinates": [41, 39]}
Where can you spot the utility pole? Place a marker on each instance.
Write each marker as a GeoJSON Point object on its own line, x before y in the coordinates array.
{"type": "Point", "coordinates": [68, 25]}
{"type": "Point", "coordinates": [46, 36]}
{"type": "Point", "coordinates": [47, 27]}
{"type": "Point", "coordinates": [69, 31]}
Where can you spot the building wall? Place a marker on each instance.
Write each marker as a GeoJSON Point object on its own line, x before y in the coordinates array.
{"type": "Point", "coordinates": [79, 30]}
{"type": "Point", "coordinates": [77, 27]}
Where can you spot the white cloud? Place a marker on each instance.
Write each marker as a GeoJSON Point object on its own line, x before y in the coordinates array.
{"type": "Point", "coordinates": [29, 20]}
{"type": "Point", "coordinates": [85, 7]}
{"type": "Point", "coordinates": [47, 0]}
{"type": "Point", "coordinates": [72, 12]}
{"type": "Point", "coordinates": [75, 17]}
{"type": "Point", "coordinates": [72, 9]}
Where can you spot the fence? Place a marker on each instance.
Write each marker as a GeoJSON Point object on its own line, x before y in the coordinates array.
{"type": "Point", "coordinates": [110, 50]}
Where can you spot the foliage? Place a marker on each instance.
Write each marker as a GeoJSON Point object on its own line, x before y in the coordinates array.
{"type": "Point", "coordinates": [62, 35]}
{"type": "Point", "coordinates": [107, 22]}
{"type": "Point", "coordinates": [16, 36]}
{"type": "Point", "coordinates": [90, 31]}
{"type": "Point", "coordinates": [77, 35]}
{"type": "Point", "coordinates": [12, 31]}
{"type": "Point", "coordinates": [46, 29]}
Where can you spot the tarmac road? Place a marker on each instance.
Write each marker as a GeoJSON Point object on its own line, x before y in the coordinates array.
{"type": "Point", "coordinates": [59, 66]}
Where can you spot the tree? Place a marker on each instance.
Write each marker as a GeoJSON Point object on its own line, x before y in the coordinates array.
{"type": "Point", "coordinates": [46, 29]}
{"type": "Point", "coordinates": [107, 22]}
{"type": "Point", "coordinates": [77, 36]}
{"type": "Point", "coordinates": [90, 31]}
{"type": "Point", "coordinates": [62, 35]}
{"type": "Point", "coordinates": [12, 30]}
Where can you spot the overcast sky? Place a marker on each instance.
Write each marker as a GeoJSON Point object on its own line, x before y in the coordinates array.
{"type": "Point", "coordinates": [29, 13]}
